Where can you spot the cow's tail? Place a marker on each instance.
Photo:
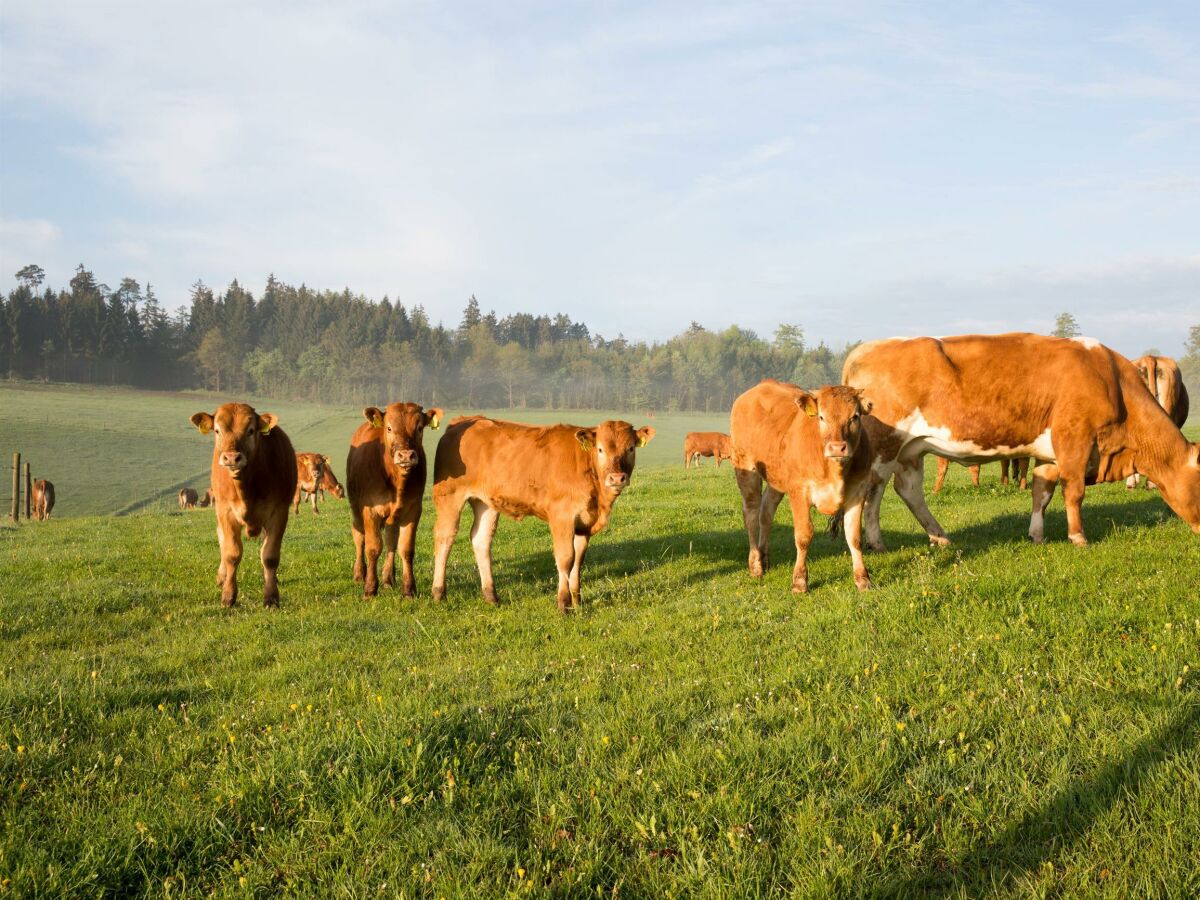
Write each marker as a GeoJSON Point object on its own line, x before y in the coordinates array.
{"type": "Point", "coordinates": [835, 523]}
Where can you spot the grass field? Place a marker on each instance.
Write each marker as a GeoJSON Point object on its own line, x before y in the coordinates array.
{"type": "Point", "coordinates": [995, 719]}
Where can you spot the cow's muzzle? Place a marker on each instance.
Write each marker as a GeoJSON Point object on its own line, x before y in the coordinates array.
{"type": "Point", "coordinates": [233, 461]}
{"type": "Point", "coordinates": [837, 449]}
{"type": "Point", "coordinates": [616, 481]}
{"type": "Point", "coordinates": [405, 459]}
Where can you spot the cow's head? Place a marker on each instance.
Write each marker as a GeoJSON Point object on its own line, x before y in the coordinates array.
{"type": "Point", "coordinates": [838, 411]}
{"type": "Point", "coordinates": [330, 482]}
{"type": "Point", "coordinates": [238, 430]}
{"type": "Point", "coordinates": [403, 426]}
{"type": "Point", "coordinates": [1181, 488]}
{"type": "Point", "coordinates": [612, 449]}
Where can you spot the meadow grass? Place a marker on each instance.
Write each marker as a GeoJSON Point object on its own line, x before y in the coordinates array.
{"type": "Point", "coordinates": [995, 719]}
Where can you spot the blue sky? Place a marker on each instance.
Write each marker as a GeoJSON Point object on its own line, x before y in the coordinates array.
{"type": "Point", "coordinates": [859, 169]}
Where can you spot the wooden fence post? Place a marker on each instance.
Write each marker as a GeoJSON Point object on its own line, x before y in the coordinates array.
{"type": "Point", "coordinates": [16, 495]}
{"type": "Point", "coordinates": [28, 492]}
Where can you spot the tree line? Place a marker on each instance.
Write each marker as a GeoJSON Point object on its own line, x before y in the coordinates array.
{"type": "Point", "coordinates": [341, 347]}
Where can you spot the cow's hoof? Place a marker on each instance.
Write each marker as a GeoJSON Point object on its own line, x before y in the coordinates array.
{"type": "Point", "coordinates": [271, 602]}
{"type": "Point", "coordinates": [938, 541]}
{"type": "Point", "coordinates": [863, 583]}
{"type": "Point", "coordinates": [439, 593]}
{"type": "Point", "coordinates": [490, 598]}
{"type": "Point", "coordinates": [1078, 540]}
{"type": "Point", "coordinates": [229, 602]}
{"type": "Point", "coordinates": [877, 547]}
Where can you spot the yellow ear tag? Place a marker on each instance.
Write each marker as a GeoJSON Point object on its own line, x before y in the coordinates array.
{"type": "Point", "coordinates": [377, 422]}
{"type": "Point", "coordinates": [434, 421]}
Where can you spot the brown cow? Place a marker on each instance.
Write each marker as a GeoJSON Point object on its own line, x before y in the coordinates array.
{"type": "Point", "coordinates": [310, 472]}
{"type": "Point", "coordinates": [43, 499]}
{"type": "Point", "coordinates": [188, 498]}
{"type": "Point", "coordinates": [1020, 469]}
{"type": "Point", "coordinates": [569, 477]}
{"type": "Point", "coordinates": [811, 446]}
{"type": "Point", "coordinates": [705, 443]}
{"type": "Point", "coordinates": [330, 483]}
{"type": "Point", "coordinates": [253, 482]}
{"type": "Point", "coordinates": [207, 499]}
{"type": "Point", "coordinates": [1074, 405]}
{"type": "Point", "coordinates": [1165, 381]}
{"type": "Point", "coordinates": [385, 479]}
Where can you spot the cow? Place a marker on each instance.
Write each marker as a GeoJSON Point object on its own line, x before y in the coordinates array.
{"type": "Point", "coordinates": [811, 446]}
{"type": "Point", "coordinates": [188, 498]}
{"type": "Point", "coordinates": [1080, 409]}
{"type": "Point", "coordinates": [385, 480]}
{"type": "Point", "coordinates": [1020, 469]}
{"type": "Point", "coordinates": [43, 499]}
{"type": "Point", "coordinates": [1165, 381]}
{"type": "Point", "coordinates": [253, 482]}
{"type": "Point", "coordinates": [330, 483]}
{"type": "Point", "coordinates": [207, 500]}
{"type": "Point", "coordinates": [310, 472]}
{"type": "Point", "coordinates": [567, 476]}
{"type": "Point", "coordinates": [705, 443]}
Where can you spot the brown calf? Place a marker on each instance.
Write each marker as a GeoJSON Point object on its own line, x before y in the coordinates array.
{"type": "Point", "coordinates": [385, 479]}
{"type": "Point", "coordinates": [705, 443]}
{"type": "Point", "coordinates": [188, 498]}
{"type": "Point", "coordinates": [310, 472]}
{"type": "Point", "coordinates": [253, 482]}
{"type": "Point", "coordinates": [43, 499]}
{"type": "Point", "coordinates": [329, 482]}
{"type": "Point", "coordinates": [811, 446]}
{"type": "Point", "coordinates": [569, 477]}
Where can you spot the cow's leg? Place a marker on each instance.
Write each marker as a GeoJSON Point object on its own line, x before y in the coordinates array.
{"type": "Point", "coordinates": [445, 529]}
{"type": "Point", "coordinates": [356, 530]}
{"type": "Point", "coordinates": [910, 487]}
{"type": "Point", "coordinates": [581, 545]}
{"type": "Point", "coordinates": [1023, 471]}
{"type": "Point", "coordinates": [296, 499]}
{"type": "Point", "coordinates": [871, 511]}
{"type": "Point", "coordinates": [771, 499]}
{"type": "Point", "coordinates": [272, 541]}
{"type": "Point", "coordinates": [373, 545]}
{"type": "Point", "coordinates": [749, 482]}
{"type": "Point", "coordinates": [1072, 473]}
{"type": "Point", "coordinates": [974, 470]}
{"type": "Point", "coordinates": [687, 459]}
{"type": "Point", "coordinates": [229, 536]}
{"type": "Point", "coordinates": [803, 528]}
{"type": "Point", "coordinates": [1045, 477]}
{"type": "Point", "coordinates": [852, 523]}
{"type": "Point", "coordinates": [313, 498]}
{"type": "Point", "coordinates": [483, 529]}
{"type": "Point", "coordinates": [563, 534]}
{"type": "Point", "coordinates": [1004, 470]}
{"type": "Point", "coordinates": [391, 535]}
{"type": "Point", "coordinates": [942, 465]}
{"type": "Point", "coordinates": [406, 550]}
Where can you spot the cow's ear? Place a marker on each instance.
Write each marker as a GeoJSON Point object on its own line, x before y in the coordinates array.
{"type": "Point", "coordinates": [866, 406]}
{"type": "Point", "coordinates": [374, 415]}
{"type": "Point", "coordinates": [586, 437]}
{"type": "Point", "coordinates": [267, 421]}
{"type": "Point", "coordinates": [1194, 456]}
{"type": "Point", "coordinates": [808, 403]}
{"type": "Point", "coordinates": [328, 461]}
{"type": "Point", "coordinates": [433, 417]}
{"type": "Point", "coordinates": [645, 435]}
{"type": "Point", "coordinates": [203, 421]}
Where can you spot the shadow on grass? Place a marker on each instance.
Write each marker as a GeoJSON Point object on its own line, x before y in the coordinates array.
{"type": "Point", "coordinates": [1046, 831]}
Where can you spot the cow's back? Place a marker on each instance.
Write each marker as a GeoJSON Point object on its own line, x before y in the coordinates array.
{"type": "Point", "coordinates": [768, 432]}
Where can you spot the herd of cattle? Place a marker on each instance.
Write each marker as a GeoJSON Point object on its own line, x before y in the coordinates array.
{"type": "Point", "coordinates": [1082, 412]}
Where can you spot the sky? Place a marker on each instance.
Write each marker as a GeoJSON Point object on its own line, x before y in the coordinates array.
{"type": "Point", "coordinates": [861, 169]}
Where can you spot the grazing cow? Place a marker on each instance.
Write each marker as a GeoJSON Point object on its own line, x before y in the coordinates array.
{"type": "Point", "coordinates": [811, 446]}
{"type": "Point", "coordinates": [207, 499]}
{"type": "Point", "coordinates": [310, 472]}
{"type": "Point", "coordinates": [329, 482]}
{"type": "Point", "coordinates": [385, 479]}
{"type": "Point", "coordinates": [1078, 408]}
{"type": "Point", "coordinates": [568, 477]}
{"type": "Point", "coordinates": [253, 482]}
{"type": "Point", "coordinates": [1163, 378]}
{"type": "Point", "coordinates": [188, 498]}
{"type": "Point", "coordinates": [43, 499]}
{"type": "Point", "coordinates": [1020, 469]}
{"type": "Point", "coordinates": [705, 443]}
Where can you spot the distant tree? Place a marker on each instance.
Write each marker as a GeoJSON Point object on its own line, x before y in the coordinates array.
{"type": "Point", "coordinates": [789, 337]}
{"type": "Point", "coordinates": [514, 370]}
{"type": "Point", "coordinates": [1065, 326]}
{"type": "Point", "coordinates": [1189, 363]}
{"type": "Point", "coordinates": [470, 318]}
{"type": "Point", "coordinates": [32, 277]}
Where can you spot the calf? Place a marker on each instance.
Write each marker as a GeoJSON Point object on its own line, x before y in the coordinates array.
{"type": "Point", "coordinates": [310, 472]}
{"type": "Point", "coordinates": [188, 498]}
{"type": "Point", "coordinates": [385, 479]}
{"type": "Point", "coordinates": [811, 446]}
{"type": "Point", "coordinates": [43, 499]}
{"type": "Point", "coordinates": [253, 482]}
{"type": "Point", "coordinates": [569, 477]}
{"type": "Point", "coordinates": [705, 443]}
{"type": "Point", "coordinates": [329, 482]}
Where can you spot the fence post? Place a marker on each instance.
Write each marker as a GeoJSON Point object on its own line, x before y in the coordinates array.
{"type": "Point", "coordinates": [16, 494]}
{"type": "Point", "coordinates": [28, 492]}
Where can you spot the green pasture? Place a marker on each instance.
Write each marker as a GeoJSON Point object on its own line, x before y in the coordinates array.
{"type": "Point", "coordinates": [994, 719]}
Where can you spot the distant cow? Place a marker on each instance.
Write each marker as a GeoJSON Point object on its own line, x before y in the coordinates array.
{"type": "Point", "coordinates": [1165, 381]}
{"type": "Point", "coordinates": [1020, 469]}
{"type": "Point", "coordinates": [569, 477]}
{"type": "Point", "coordinates": [253, 483]}
{"type": "Point", "coordinates": [188, 498]}
{"type": "Point", "coordinates": [310, 472]}
{"type": "Point", "coordinates": [207, 499]}
{"type": "Point", "coordinates": [705, 443]}
{"type": "Point", "coordinates": [330, 483]}
{"type": "Point", "coordinates": [1074, 405]}
{"type": "Point", "coordinates": [811, 446]}
{"type": "Point", "coordinates": [43, 499]}
{"type": "Point", "coordinates": [385, 480]}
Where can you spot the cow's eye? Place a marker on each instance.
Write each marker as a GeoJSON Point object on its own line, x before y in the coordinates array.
{"type": "Point", "coordinates": [600, 450]}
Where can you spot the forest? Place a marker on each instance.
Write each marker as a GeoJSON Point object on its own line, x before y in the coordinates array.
{"type": "Point", "coordinates": [341, 347]}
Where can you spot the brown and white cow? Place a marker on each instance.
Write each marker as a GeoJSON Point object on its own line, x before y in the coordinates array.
{"type": "Point", "coordinates": [188, 498]}
{"type": "Point", "coordinates": [385, 480]}
{"type": "Point", "coordinates": [811, 446]}
{"type": "Point", "coordinates": [43, 499]}
{"type": "Point", "coordinates": [1081, 410]}
{"type": "Point", "coordinates": [310, 472]}
{"type": "Point", "coordinates": [1020, 470]}
{"type": "Point", "coordinates": [253, 482]}
{"type": "Point", "coordinates": [569, 477]}
{"type": "Point", "coordinates": [1165, 381]}
{"type": "Point", "coordinates": [705, 443]}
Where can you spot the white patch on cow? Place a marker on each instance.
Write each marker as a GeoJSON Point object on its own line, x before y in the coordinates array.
{"type": "Point", "coordinates": [827, 498]}
{"type": "Point", "coordinates": [919, 436]}
{"type": "Point", "coordinates": [1088, 343]}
